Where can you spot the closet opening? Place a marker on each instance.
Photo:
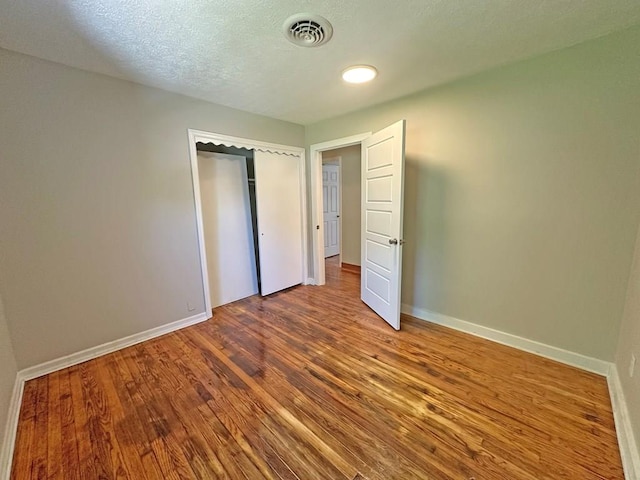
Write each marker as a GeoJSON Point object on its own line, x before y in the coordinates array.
{"type": "Point", "coordinates": [251, 216]}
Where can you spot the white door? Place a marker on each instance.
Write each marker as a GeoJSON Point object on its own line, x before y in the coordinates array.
{"type": "Point", "coordinates": [278, 205]}
{"type": "Point", "coordinates": [382, 208]}
{"type": "Point", "coordinates": [228, 234]}
{"type": "Point", "coordinates": [331, 209]}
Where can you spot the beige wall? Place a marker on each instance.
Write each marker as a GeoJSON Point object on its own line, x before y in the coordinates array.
{"type": "Point", "coordinates": [350, 201]}
{"type": "Point", "coordinates": [523, 193]}
{"type": "Point", "coordinates": [629, 344]}
{"type": "Point", "coordinates": [8, 371]}
{"type": "Point", "coordinates": [97, 223]}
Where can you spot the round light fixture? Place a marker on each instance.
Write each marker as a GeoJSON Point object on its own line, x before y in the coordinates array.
{"type": "Point", "coordinates": [359, 74]}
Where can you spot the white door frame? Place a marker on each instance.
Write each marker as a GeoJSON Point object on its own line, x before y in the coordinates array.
{"type": "Point", "coordinates": [317, 237]}
{"type": "Point", "coordinates": [196, 136]}
{"type": "Point", "coordinates": [338, 161]}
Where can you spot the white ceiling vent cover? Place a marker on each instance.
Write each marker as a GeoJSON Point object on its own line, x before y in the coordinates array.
{"type": "Point", "coordinates": [307, 30]}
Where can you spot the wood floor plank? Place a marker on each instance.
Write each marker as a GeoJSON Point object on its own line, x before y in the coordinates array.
{"type": "Point", "coordinates": [127, 451]}
{"type": "Point", "coordinates": [119, 380]}
{"type": "Point", "coordinates": [54, 427]}
{"type": "Point", "coordinates": [39, 465]}
{"type": "Point", "coordinates": [24, 455]}
{"type": "Point", "coordinates": [70, 461]}
{"type": "Point", "coordinates": [302, 452]}
{"type": "Point", "coordinates": [230, 445]}
{"type": "Point", "coordinates": [100, 422]}
{"type": "Point", "coordinates": [345, 384]}
{"type": "Point", "coordinates": [235, 416]}
{"type": "Point", "coordinates": [356, 423]}
{"type": "Point", "coordinates": [310, 384]}
{"type": "Point", "coordinates": [89, 460]}
{"type": "Point", "coordinates": [369, 442]}
{"type": "Point", "coordinates": [222, 450]}
{"type": "Point", "coordinates": [169, 440]}
{"type": "Point", "coordinates": [273, 376]}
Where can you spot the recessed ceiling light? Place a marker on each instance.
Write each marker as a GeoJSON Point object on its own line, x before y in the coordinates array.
{"type": "Point", "coordinates": [359, 74]}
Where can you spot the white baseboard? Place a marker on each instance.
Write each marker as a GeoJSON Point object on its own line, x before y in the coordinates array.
{"type": "Point", "coordinates": [11, 429]}
{"type": "Point", "coordinates": [94, 352]}
{"type": "Point", "coordinates": [554, 353]}
{"type": "Point", "coordinates": [310, 281]}
{"type": "Point", "coordinates": [626, 441]}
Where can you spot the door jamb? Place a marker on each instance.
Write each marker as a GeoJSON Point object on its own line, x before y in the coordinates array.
{"type": "Point", "coordinates": [317, 236]}
{"type": "Point", "coordinates": [250, 144]}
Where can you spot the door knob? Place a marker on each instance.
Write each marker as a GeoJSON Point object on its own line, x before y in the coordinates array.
{"type": "Point", "coordinates": [393, 241]}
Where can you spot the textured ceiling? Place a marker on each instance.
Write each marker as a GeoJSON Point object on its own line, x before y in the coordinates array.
{"type": "Point", "coordinates": [233, 52]}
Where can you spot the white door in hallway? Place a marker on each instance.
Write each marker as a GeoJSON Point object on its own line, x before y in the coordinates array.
{"type": "Point", "coordinates": [331, 209]}
{"type": "Point", "coordinates": [382, 210]}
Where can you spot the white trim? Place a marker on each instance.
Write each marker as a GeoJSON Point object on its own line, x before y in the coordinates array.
{"type": "Point", "coordinates": [310, 281]}
{"type": "Point", "coordinates": [229, 141]}
{"type": "Point", "coordinates": [109, 347]}
{"type": "Point", "coordinates": [195, 180]}
{"type": "Point", "coordinates": [248, 143]}
{"type": "Point", "coordinates": [548, 351]}
{"type": "Point", "coordinates": [11, 429]}
{"type": "Point", "coordinates": [626, 441]}
{"type": "Point", "coordinates": [303, 211]}
{"type": "Point", "coordinates": [315, 162]}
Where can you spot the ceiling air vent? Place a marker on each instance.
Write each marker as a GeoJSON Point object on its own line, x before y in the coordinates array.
{"type": "Point", "coordinates": [306, 30]}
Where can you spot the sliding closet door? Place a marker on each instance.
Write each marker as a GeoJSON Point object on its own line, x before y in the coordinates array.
{"type": "Point", "coordinates": [279, 220]}
{"type": "Point", "coordinates": [228, 233]}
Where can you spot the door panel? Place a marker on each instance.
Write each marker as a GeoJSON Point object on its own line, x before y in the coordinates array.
{"type": "Point", "coordinates": [331, 210]}
{"type": "Point", "coordinates": [278, 202]}
{"type": "Point", "coordinates": [378, 285]}
{"type": "Point", "coordinates": [382, 210]}
{"type": "Point", "coordinates": [379, 223]}
{"type": "Point", "coordinates": [228, 233]}
{"type": "Point", "coordinates": [379, 189]}
{"type": "Point", "coordinates": [379, 255]}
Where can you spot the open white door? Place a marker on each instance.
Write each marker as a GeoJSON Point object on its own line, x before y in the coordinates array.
{"type": "Point", "coordinates": [382, 210]}
{"type": "Point", "coordinates": [279, 215]}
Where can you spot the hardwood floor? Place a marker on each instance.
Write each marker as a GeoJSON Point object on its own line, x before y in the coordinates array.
{"type": "Point", "coordinates": [309, 384]}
